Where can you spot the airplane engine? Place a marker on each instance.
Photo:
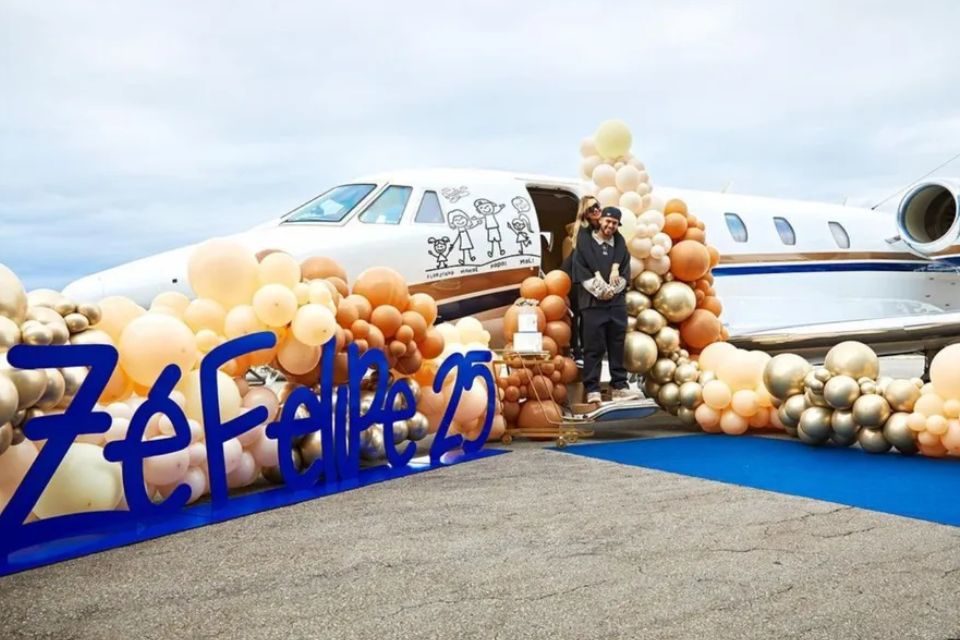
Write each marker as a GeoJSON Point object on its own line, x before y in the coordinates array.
{"type": "Point", "coordinates": [927, 216]}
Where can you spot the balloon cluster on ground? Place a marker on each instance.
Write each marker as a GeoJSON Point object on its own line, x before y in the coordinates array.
{"type": "Point", "coordinates": [306, 304]}
{"type": "Point", "coordinates": [533, 395]}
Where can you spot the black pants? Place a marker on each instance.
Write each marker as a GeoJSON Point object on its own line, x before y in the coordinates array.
{"type": "Point", "coordinates": [576, 324]}
{"type": "Point", "coordinates": [604, 330]}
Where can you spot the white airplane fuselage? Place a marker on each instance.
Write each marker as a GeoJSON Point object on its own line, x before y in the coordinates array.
{"type": "Point", "coordinates": [469, 238]}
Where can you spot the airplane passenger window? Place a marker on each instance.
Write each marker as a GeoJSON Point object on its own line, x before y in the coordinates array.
{"type": "Point", "coordinates": [388, 207]}
{"type": "Point", "coordinates": [430, 211]}
{"type": "Point", "coordinates": [785, 229]}
{"type": "Point", "coordinates": [333, 205]}
{"type": "Point", "coordinates": [840, 235]}
{"type": "Point", "coordinates": [737, 229]}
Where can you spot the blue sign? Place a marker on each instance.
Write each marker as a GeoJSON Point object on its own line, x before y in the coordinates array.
{"type": "Point", "coordinates": [338, 469]}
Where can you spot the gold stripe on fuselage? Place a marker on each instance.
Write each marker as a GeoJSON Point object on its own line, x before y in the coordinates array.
{"type": "Point", "coordinates": [474, 283]}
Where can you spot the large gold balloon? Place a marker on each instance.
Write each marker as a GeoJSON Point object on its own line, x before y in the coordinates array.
{"type": "Point", "coordinates": [783, 375]}
{"type": "Point", "coordinates": [872, 440]}
{"type": "Point", "coordinates": [650, 321]}
{"type": "Point", "coordinates": [841, 392]}
{"type": "Point", "coordinates": [639, 352]}
{"type": "Point", "coordinates": [9, 400]}
{"type": "Point", "coordinates": [814, 427]}
{"type": "Point", "coordinates": [676, 301]}
{"type": "Point", "coordinates": [647, 282]}
{"type": "Point", "coordinates": [897, 431]}
{"type": "Point", "coordinates": [13, 297]}
{"type": "Point", "coordinates": [636, 302]}
{"type": "Point", "coordinates": [35, 333]}
{"type": "Point", "coordinates": [853, 359]}
{"type": "Point", "coordinates": [691, 393]}
{"type": "Point", "coordinates": [668, 340]}
{"type": "Point", "coordinates": [30, 383]}
{"type": "Point", "coordinates": [844, 426]}
{"type": "Point", "coordinates": [9, 333]}
{"type": "Point", "coordinates": [902, 395]}
{"type": "Point", "coordinates": [663, 370]}
{"type": "Point", "coordinates": [871, 411]}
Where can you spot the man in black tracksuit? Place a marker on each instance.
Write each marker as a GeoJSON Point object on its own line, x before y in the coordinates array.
{"type": "Point", "coordinates": [602, 266]}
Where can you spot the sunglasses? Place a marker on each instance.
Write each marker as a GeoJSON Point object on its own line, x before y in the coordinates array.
{"type": "Point", "coordinates": [594, 207]}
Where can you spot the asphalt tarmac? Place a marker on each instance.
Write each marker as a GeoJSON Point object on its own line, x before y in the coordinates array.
{"type": "Point", "coordinates": [532, 544]}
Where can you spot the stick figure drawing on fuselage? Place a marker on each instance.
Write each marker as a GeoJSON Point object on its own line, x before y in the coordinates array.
{"type": "Point", "coordinates": [489, 211]}
{"type": "Point", "coordinates": [443, 247]}
{"type": "Point", "coordinates": [462, 223]}
{"type": "Point", "coordinates": [521, 227]}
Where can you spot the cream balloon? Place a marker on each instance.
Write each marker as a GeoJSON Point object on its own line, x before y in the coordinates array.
{"type": "Point", "coordinates": [628, 178]}
{"type": "Point", "coordinates": [117, 313]}
{"type": "Point", "coordinates": [204, 313]}
{"type": "Point", "coordinates": [631, 202]}
{"type": "Point", "coordinates": [84, 481]}
{"type": "Point", "coordinates": [151, 342]}
{"type": "Point", "coordinates": [588, 147]}
{"type": "Point", "coordinates": [228, 396]}
{"type": "Point", "coordinates": [314, 325]}
{"type": "Point", "coordinates": [240, 321]}
{"type": "Point", "coordinates": [587, 167]}
{"type": "Point", "coordinates": [225, 271]}
{"type": "Point", "coordinates": [173, 300]}
{"type": "Point", "coordinates": [604, 176]}
{"type": "Point", "coordinates": [275, 305]}
{"type": "Point", "coordinates": [608, 196]}
{"type": "Point", "coordinates": [279, 268]}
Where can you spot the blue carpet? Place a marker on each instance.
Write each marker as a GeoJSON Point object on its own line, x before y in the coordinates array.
{"type": "Point", "coordinates": [914, 487]}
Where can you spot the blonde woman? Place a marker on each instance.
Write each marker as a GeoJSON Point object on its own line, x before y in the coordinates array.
{"type": "Point", "coordinates": [588, 219]}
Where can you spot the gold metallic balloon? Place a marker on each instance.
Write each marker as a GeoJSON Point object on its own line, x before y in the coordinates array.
{"type": "Point", "coordinates": [869, 388]}
{"type": "Point", "coordinates": [9, 333]}
{"type": "Point", "coordinates": [651, 388]}
{"type": "Point", "coordinates": [631, 324]}
{"type": "Point", "coordinates": [815, 399]}
{"type": "Point", "coordinates": [639, 352]}
{"type": "Point", "coordinates": [841, 392]}
{"type": "Point", "coordinates": [19, 418]}
{"type": "Point", "coordinates": [844, 426]}
{"type": "Point", "coordinates": [669, 395]}
{"type": "Point", "coordinates": [13, 297]}
{"type": "Point", "coordinates": [853, 359]}
{"type": "Point", "coordinates": [371, 443]}
{"type": "Point", "coordinates": [691, 394]}
{"type": "Point", "coordinates": [36, 333]}
{"type": "Point", "coordinates": [896, 431]}
{"type": "Point", "coordinates": [684, 353]}
{"type": "Point", "coordinates": [814, 427]}
{"type": "Point", "coordinates": [44, 298]}
{"type": "Point", "coordinates": [272, 474]}
{"type": "Point", "coordinates": [650, 321]}
{"type": "Point", "coordinates": [30, 383]}
{"type": "Point", "coordinates": [46, 315]}
{"type": "Point", "coordinates": [65, 307]}
{"type": "Point", "coordinates": [676, 301]}
{"type": "Point", "coordinates": [686, 372]}
{"type": "Point", "coordinates": [663, 370]}
{"type": "Point", "coordinates": [18, 436]}
{"type": "Point", "coordinates": [9, 400]}
{"type": "Point", "coordinates": [786, 419]}
{"type": "Point", "coordinates": [61, 335]}
{"type": "Point", "coordinates": [56, 388]}
{"type": "Point", "coordinates": [783, 375]}
{"type": "Point", "coordinates": [91, 311]}
{"type": "Point", "coordinates": [311, 448]}
{"type": "Point", "coordinates": [417, 427]}
{"type": "Point", "coordinates": [400, 431]}
{"type": "Point", "coordinates": [822, 374]}
{"type": "Point", "coordinates": [812, 383]}
{"type": "Point", "coordinates": [6, 437]}
{"type": "Point", "coordinates": [794, 407]}
{"type": "Point", "coordinates": [687, 416]}
{"type": "Point", "coordinates": [668, 341]}
{"type": "Point", "coordinates": [73, 377]}
{"type": "Point", "coordinates": [902, 395]}
{"type": "Point", "coordinates": [76, 322]}
{"type": "Point", "coordinates": [636, 302]}
{"type": "Point", "coordinates": [871, 411]}
{"type": "Point", "coordinates": [843, 440]}
{"type": "Point", "coordinates": [647, 282]}
{"type": "Point", "coordinates": [872, 440]}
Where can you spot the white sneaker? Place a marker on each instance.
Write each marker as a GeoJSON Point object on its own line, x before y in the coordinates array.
{"type": "Point", "coordinates": [594, 398]}
{"type": "Point", "coordinates": [625, 394]}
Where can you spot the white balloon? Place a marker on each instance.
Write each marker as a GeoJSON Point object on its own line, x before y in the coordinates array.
{"type": "Point", "coordinates": [657, 252]}
{"type": "Point", "coordinates": [609, 197]}
{"type": "Point", "coordinates": [642, 247]}
{"type": "Point", "coordinates": [631, 201]}
{"type": "Point", "coordinates": [663, 240]}
{"type": "Point", "coordinates": [588, 147]}
{"type": "Point", "coordinates": [646, 202]}
{"type": "Point", "coordinates": [653, 217]}
{"type": "Point", "coordinates": [587, 165]}
{"type": "Point", "coordinates": [660, 266]}
{"type": "Point", "coordinates": [628, 223]}
{"type": "Point", "coordinates": [656, 202]}
{"type": "Point", "coordinates": [604, 176]}
{"type": "Point", "coordinates": [643, 188]}
{"type": "Point", "coordinates": [636, 163]}
{"type": "Point", "coordinates": [628, 178]}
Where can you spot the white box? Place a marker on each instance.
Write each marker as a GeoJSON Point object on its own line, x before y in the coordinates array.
{"type": "Point", "coordinates": [527, 323]}
{"type": "Point", "coordinates": [528, 342]}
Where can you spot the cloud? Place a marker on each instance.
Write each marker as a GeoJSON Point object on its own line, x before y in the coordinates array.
{"type": "Point", "coordinates": [130, 128]}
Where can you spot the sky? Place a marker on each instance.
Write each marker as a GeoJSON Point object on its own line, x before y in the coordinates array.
{"type": "Point", "coordinates": [131, 127]}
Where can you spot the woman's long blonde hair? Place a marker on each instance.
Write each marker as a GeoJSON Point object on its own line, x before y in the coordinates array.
{"type": "Point", "coordinates": [586, 203]}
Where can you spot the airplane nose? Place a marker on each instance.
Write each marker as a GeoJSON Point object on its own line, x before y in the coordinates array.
{"type": "Point", "coordinates": [88, 289]}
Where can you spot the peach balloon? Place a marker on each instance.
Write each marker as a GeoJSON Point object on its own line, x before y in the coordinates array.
{"type": "Point", "coordinates": [689, 260]}
{"type": "Point", "coordinates": [745, 403]}
{"type": "Point", "coordinates": [319, 267]}
{"type": "Point", "coordinates": [533, 287]}
{"type": "Point", "coordinates": [708, 418]}
{"type": "Point", "coordinates": [675, 205]}
{"type": "Point", "coordinates": [714, 354]}
{"type": "Point", "coordinates": [425, 305]}
{"type": "Point", "coordinates": [116, 313]}
{"type": "Point", "coordinates": [539, 415]}
{"type": "Point", "coordinates": [225, 271]}
{"type": "Point", "coordinates": [711, 304]}
{"type": "Point", "coordinates": [416, 323]}
{"type": "Point", "coordinates": [558, 283]}
{"type": "Point", "coordinates": [917, 422]}
{"type": "Point", "coordinates": [929, 404]}
{"type": "Point", "coordinates": [945, 372]}
{"type": "Point", "coordinates": [347, 314]}
{"type": "Point", "coordinates": [388, 319]}
{"type": "Point", "coordinates": [14, 464]}
{"type": "Point", "coordinates": [733, 424]}
{"type": "Point", "coordinates": [695, 235]}
{"type": "Point", "coordinates": [701, 329]}
{"type": "Point", "coordinates": [937, 425]}
{"type": "Point", "coordinates": [313, 325]}
{"type": "Point", "coordinates": [554, 308]}
{"type": "Point", "coordinates": [935, 450]}
{"type": "Point", "coordinates": [240, 321]}
{"type": "Point", "coordinates": [153, 341]}
{"type": "Point", "coordinates": [296, 357]}
{"type": "Point", "coordinates": [760, 419]}
{"type": "Point", "coordinates": [560, 332]}
{"type": "Point", "coordinates": [717, 394]}
{"type": "Point", "coordinates": [383, 286]}
{"type": "Point", "coordinates": [204, 313]}
{"type": "Point", "coordinates": [339, 285]}
{"type": "Point", "coordinates": [279, 268]}
{"type": "Point", "coordinates": [951, 439]}
{"type": "Point", "coordinates": [275, 305]}
{"type": "Point", "coordinates": [168, 468]}
{"type": "Point", "coordinates": [714, 255]}
{"type": "Point", "coordinates": [675, 226]}
{"type": "Point", "coordinates": [432, 344]}
{"type": "Point", "coordinates": [173, 300]}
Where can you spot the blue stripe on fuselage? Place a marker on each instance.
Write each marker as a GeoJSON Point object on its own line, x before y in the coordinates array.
{"type": "Point", "coordinates": [946, 265]}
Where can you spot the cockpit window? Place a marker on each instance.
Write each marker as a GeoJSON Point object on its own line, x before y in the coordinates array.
{"type": "Point", "coordinates": [332, 206]}
{"type": "Point", "coordinates": [785, 229]}
{"type": "Point", "coordinates": [388, 207]}
{"type": "Point", "coordinates": [737, 229]}
{"type": "Point", "coordinates": [430, 211]}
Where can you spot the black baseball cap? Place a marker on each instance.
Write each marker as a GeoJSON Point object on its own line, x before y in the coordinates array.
{"type": "Point", "coordinates": [611, 212]}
